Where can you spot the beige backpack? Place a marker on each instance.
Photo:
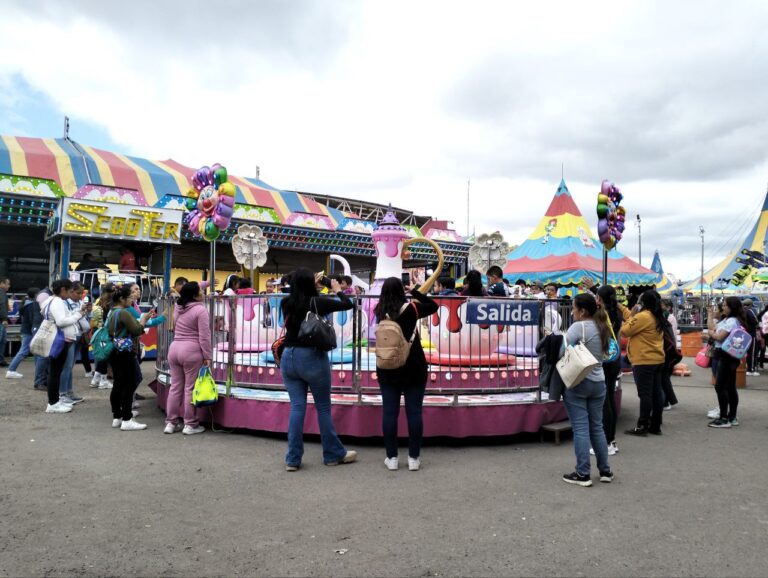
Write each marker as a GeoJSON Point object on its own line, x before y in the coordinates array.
{"type": "Point", "coordinates": [392, 348]}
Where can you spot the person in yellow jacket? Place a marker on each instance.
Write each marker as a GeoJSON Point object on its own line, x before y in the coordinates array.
{"type": "Point", "coordinates": [644, 326]}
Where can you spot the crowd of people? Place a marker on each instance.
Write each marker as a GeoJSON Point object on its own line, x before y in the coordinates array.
{"type": "Point", "coordinates": [598, 321]}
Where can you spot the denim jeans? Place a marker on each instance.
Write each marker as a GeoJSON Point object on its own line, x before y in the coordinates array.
{"type": "Point", "coordinates": [22, 354]}
{"type": "Point", "coordinates": [584, 404]}
{"type": "Point", "coordinates": [3, 336]}
{"type": "Point", "coordinates": [306, 368]}
{"type": "Point", "coordinates": [65, 385]}
{"type": "Point", "coordinates": [41, 372]}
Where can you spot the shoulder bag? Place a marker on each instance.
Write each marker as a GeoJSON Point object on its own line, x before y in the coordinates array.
{"type": "Point", "coordinates": [317, 331]}
{"type": "Point", "coordinates": [576, 362]}
{"type": "Point", "coordinates": [49, 339]}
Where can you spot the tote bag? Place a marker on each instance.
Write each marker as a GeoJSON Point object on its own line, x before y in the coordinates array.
{"type": "Point", "coordinates": [316, 331]}
{"type": "Point", "coordinates": [576, 362]}
{"type": "Point", "coordinates": [48, 340]}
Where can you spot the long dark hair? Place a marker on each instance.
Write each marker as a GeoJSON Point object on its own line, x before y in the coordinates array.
{"type": "Point", "coordinates": [651, 301]}
{"type": "Point", "coordinates": [473, 284]}
{"type": "Point", "coordinates": [188, 293]}
{"type": "Point", "coordinates": [302, 291]}
{"type": "Point", "coordinates": [391, 299]}
{"type": "Point", "coordinates": [610, 305]}
{"type": "Point", "coordinates": [586, 302]}
{"type": "Point", "coordinates": [737, 309]}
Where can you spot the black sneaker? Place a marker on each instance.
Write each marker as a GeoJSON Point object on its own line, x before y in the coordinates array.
{"type": "Point", "coordinates": [606, 477]}
{"type": "Point", "coordinates": [637, 431]}
{"type": "Point", "coordinates": [579, 480]}
{"type": "Point", "coordinates": [720, 423]}
{"type": "Point", "coordinates": [734, 421]}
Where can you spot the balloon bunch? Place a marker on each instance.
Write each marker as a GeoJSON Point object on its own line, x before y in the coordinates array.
{"type": "Point", "coordinates": [210, 202]}
{"type": "Point", "coordinates": [610, 214]}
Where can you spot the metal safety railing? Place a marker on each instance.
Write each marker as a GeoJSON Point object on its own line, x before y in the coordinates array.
{"type": "Point", "coordinates": [465, 356]}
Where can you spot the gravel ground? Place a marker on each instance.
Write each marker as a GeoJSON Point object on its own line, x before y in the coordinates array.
{"type": "Point", "coordinates": [79, 498]}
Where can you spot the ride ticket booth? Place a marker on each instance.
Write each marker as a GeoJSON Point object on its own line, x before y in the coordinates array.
{"type": "Point", "coordinates": [105, 231]}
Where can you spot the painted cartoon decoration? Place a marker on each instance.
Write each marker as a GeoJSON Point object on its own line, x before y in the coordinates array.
{"type": "Point", "coordinates": [610, 214]}
{"type": "Point", "coordinates": [548, 228]}
{"type": "Point", "coordinates": [210, 202]}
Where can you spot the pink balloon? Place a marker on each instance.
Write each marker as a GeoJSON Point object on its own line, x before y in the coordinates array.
{"type": "Point", "coordinates": [220, 221]}
{"type": "Point", "coordinates": [224, 211]}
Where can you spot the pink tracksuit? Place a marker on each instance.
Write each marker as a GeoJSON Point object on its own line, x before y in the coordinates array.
{"type": "Point", "coordinates": [191, 345]}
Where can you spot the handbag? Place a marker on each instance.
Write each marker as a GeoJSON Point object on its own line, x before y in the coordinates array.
{"type": "Point", "coordinates": [49, 340]}
{"type": "Point", "coordinates": [205, 392]}
{"type": "Point", "coordinates": [576, 362]}
{"type": "Point", "coordinates": [278, 345]}
{"type": "Point", "coordinates": [124, 343]}
{"type": "Point", "coordinates": [613, 347]}
{"type": "Point", "coordinates": [704, 357]}
{"type": "Point", "coordinates": [316, 331]}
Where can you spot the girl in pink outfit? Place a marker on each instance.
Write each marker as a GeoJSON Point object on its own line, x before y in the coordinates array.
{"type": "Point", "coordinates": [191, 349]}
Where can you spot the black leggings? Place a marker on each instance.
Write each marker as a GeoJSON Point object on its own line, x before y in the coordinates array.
{"type": "Point", "coordinates": [391, 390]}
{"type": "Point", "coordinates": [55, 367]}
{"type": "Point", "coordinates": [648, 381]}
{"type": "Point", "coordinates": [725, 385]}
{"type": "Point", "coordinates": [611, 371]}
{"type": "Point", "coordinates": [666, 386]}
{"type": "Point", "coordinates": [124, 369]}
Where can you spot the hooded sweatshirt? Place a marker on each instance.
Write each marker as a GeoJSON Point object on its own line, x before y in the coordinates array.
{"type": "Point", "coordinates": [55, 309]}
{"type": "Point", "coordinates": [193, 325]}
{"type": "Point", "coordinates": [31, 318]}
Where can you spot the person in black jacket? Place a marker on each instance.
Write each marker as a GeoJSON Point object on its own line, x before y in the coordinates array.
{"type": "Point", "coordinates": [31, 318]}
{"type": "Point", "coordinates": [606, 299]}
{"type": "Point", "coordinates": [305, 368]}
{"type": "Point", "coordinates": [410, 380]}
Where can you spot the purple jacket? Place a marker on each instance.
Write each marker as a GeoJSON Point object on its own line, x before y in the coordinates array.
{"type": "Point", "coordinates": [193, 324]}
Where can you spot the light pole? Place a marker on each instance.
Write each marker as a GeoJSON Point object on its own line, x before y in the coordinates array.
{"type": "Point", "coordinates": [639, 240]}
{"type": "Point", "coordinates": [701, 279]}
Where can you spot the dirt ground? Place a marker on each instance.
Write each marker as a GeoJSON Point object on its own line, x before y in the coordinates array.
{"type": "Point", "coordinates": [79, 498]}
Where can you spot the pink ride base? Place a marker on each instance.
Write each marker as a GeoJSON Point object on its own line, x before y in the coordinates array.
{"type": "Point", "coordinates": [476, 415]}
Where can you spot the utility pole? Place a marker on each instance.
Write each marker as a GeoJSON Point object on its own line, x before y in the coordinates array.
{"type": "Point", "coordinates": [638, 224]}
{"type": "Point", "coordinates": [701, 279]}
{"type": "Point", "coordinates": [467, 207]}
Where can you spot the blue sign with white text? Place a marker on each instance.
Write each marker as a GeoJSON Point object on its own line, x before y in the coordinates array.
{"type": "Point", "coordinates": [502, 312]}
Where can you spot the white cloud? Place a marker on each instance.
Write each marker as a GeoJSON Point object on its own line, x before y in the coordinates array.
{"type": "Point", "coordinates": [403, 101]}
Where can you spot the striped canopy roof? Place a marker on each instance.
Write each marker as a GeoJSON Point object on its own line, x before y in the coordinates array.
{"type": "Point", "coordinates": [755, 241]}
{"type": "Point", "coordinates": [61, 161]}
{"type": "Point", "coordinates": [663, 284]}
{"type": "Point", "coordinates": [562, 250]}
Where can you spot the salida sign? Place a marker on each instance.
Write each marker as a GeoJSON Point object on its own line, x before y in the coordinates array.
{"type": "Point", "coordinates": [498, 312]}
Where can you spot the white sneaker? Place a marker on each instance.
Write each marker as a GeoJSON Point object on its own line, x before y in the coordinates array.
{"type": "Point", "coordinates": [13, 375]}
{"type": "Point", "coordinates": [172, 428]}
{"type": "Point", "coordinates": [391, 463]}
{"type": "Point", "coordinates": [117, 422]}
{"type": "Point", "coordinates": [135, 405]}
{"type": "Point", "coordinates": [713, 413]}
{"type": "Point", "coordinates": [132, 425]}
{"type": "Point", "coordinates": [105, 383]}
{"type": "Point", "coordinates": [612, 450]}
{"type": "Point", "coordinates": [89, 374]}
{"type": "Point", "coordinates": [414, 464]}
{"type": "Point", "coordinates": [190, 431]}
{"type": "Point", "coordinates": [58, 407]}
{"type": "Point", "coordinates": [96, 379]}
{"type": "Point", "coordinates": [135, 413]}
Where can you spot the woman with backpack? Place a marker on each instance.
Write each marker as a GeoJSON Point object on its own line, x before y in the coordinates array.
{"type": "Point", "coordinates": [191, 349]}
{"type": "Point", "coordinates": [305, 367]}
{"type": "Point", "coordinates": [725, 381]}
{"type": "Point", "coordinates": [100, 313]}
{"type": "Point", "coordinates": [408, 380]}
{"type": "Point", "coordinates": [644, 326]}
{"type": "Point", "coordinates": [125, 331]}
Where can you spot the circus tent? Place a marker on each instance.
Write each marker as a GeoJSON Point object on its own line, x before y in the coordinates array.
{"type": "Point", "coordinates": [663, 283]}
{"type": "Point", "coordinates": [562, 250]}
{"type": "Point", "coordinates": [737, 269]}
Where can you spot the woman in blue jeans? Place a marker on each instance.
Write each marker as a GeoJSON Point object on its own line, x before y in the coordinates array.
{"type": "Point", "coordinates": [308, 368]}
{"type": "Point", "coordinates": [584, 402]}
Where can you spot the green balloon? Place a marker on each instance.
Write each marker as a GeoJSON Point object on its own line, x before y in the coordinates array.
{"type": "Point", "coordinates": [220, 176]}
{"type": "Point", "coordinates": [191, 204]}
{"type": "Point", "coordinates": [602, 210]}
{"type": "Point", "coordinates": [211, 231]}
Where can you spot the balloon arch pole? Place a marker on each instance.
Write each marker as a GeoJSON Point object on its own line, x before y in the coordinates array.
{"type": "Point", "coordinates": [610, 220]}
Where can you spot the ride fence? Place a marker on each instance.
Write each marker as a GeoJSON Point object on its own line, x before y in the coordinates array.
{"type": "Point", "coordinates": [465, 355]}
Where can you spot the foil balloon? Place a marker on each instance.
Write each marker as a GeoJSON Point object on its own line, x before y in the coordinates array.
{"type": "Point", "coordinates": [210, 202]}
{"type": "Point", "coordinates": [610, 214]}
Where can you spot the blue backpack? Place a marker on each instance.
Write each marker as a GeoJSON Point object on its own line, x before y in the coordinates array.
{"type": "Point", "coordinates": [737, 343]}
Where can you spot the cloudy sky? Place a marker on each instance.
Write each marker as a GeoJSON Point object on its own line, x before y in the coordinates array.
{"type": "Point", "coordinates": [403, 102]}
